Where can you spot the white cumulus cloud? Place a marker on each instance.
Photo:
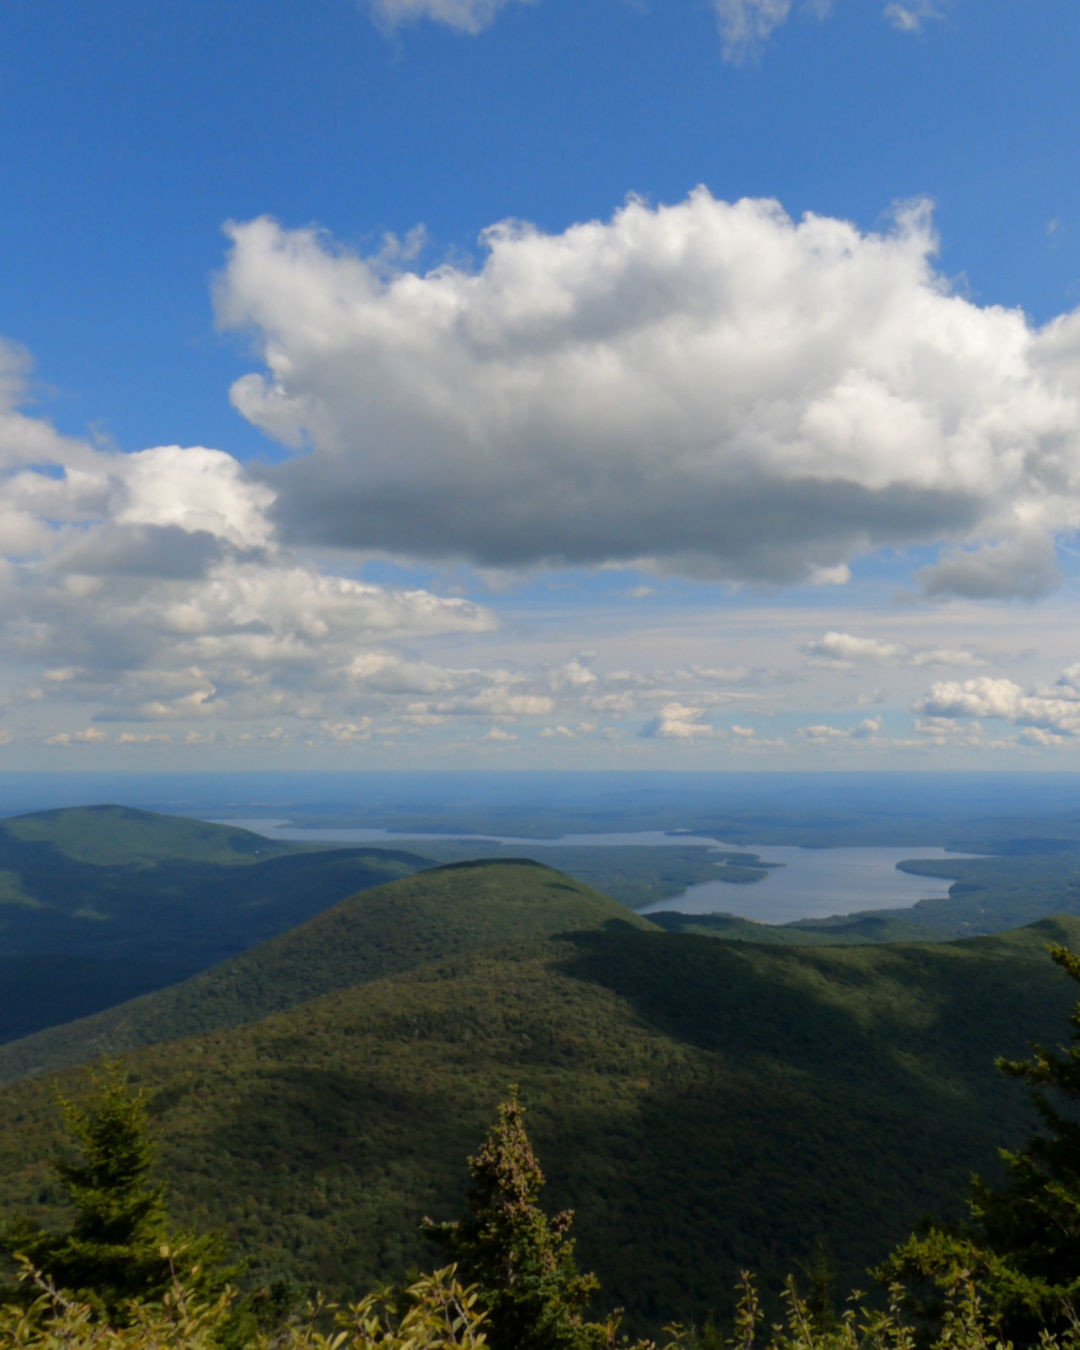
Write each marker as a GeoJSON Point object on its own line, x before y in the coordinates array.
{"type": "Point", "coordinates": [709, 387]}
{"type": "Point", "coordinates": [846, 650]}
{"type": "Point", "coordinates": [153, 586]}
{"type": "Point", "coordinates": [1054, 710]}
{"type": "Point", "coordinates": [678, 722]}
{"type": "Point", "coordinates": [824, 733]}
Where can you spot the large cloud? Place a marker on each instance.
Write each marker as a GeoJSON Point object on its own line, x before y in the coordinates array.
{"type": "Point", "coordinates": [1054, 709]}
{"type": "Point", "coordinates": [152, 587]}
{"type": "Point", "coordinates": [711, 387]}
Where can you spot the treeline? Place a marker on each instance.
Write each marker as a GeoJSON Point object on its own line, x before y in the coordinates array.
{"type": "Point", "coordinates": [118, 1277]}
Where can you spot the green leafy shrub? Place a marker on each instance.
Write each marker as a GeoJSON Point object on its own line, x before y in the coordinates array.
{"type": "Point", "coordinates": [434, 1313]}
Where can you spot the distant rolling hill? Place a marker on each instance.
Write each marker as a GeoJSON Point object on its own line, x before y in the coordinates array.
{"type": "Point", "coordinates": [436, 915]}
{"type": "Point", "coordinates": [703, 1105]}
{"type": "Point", "coordinates": [99, 904]}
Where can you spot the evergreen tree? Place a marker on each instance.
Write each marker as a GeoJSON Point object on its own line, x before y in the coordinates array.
{"type": "Point", "coordinates": [1022, 1242]}
{"type": "Point", "coordinates": [522, 1261]}
{"type": "Point", "coordinates": [820, 1299]}
{"type": "Point", "coordinates": [118, 1246]}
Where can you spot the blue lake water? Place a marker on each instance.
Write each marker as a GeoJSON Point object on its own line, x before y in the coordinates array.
{"type": "Point", "coordinates": [806, 883]}
{"type": "Point", "coordinates": [814, 883]}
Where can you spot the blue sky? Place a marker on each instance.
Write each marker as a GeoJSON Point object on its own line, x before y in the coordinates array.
{"type": "Point", "coordinates": [643, 477]}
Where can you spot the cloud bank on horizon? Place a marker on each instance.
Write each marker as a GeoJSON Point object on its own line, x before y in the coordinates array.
{"type": "Point", "coordinates": [709, 388]}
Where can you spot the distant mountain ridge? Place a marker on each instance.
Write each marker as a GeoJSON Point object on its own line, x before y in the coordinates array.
{"type": "Point", "coordinates": [99, 904]}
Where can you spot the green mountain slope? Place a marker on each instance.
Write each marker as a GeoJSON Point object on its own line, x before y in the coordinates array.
{"type": "Point", "coordinates": [702, 1105]}
{"type": "Point", "coordinates": [436, 915]}
{"type": "Point", "coordinates": [100, 904]}
{"type": "Point", "coordinates": [113, 836]}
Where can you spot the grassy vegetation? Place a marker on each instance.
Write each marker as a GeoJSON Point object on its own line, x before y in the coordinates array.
{"type": "Point", "coordinates": [703, 1105]}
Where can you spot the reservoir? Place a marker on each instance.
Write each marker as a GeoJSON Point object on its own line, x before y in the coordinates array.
{"type": "Point", "coordinates": [814, 883]}
{"type": "Point", "coordinates": [802, 883]}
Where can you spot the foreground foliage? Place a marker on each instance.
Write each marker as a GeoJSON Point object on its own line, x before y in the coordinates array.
{"type": "Point", "coordinates": [433, 1313]}
{"type": "Point", "coordinates": [1022, 1241]}
{"type": "Point", "coordinates": [112, 1280]}
{"type": "Point", "coordinates": [436, 1312]}
{"type": "Point", "coordinates": [114, 1276]}
{"type": "Point", "coordinates": [115, 1249]}
{"type": "Point", "coordinates": [740, 1100]}
{"type": "Point", "coordinates": [522, 1261]}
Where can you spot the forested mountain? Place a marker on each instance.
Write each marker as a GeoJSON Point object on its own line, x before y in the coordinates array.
{"type": "Point", "coordinates": [703, 1105]}
{"type": "Point", "coordinates": [99, 904]}
{"type": "Point", "coordinates": [437, 915]}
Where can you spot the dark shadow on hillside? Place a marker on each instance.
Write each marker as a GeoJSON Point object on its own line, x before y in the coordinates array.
{"type": "Point", "coordinates": [944, 1018]}
{"type": "Point", "coordinates": [153, 926]}
{"type": "Point", "coordinates": [679, 1175]}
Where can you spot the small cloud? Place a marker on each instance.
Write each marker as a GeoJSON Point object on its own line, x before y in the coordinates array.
{"type": "Point", "coordinates": [1037, 736]}
{"type": "Point", "coordinates": [839, 575]}
{"type": "Point", "coordinates": [347, 732]}
{"type": "Point", "coordinates": [824, 734]}
{"type": "Point", "coordinates": [91, 736]}
{"type": "Point", "coordinates": [678, 722]}
{"type": "Point", "coordinates": [62, 674]}
{"type": "Point", "coordinates": [946, 656]}
{"type": "Point", "coordinates": [1017, 569]}
{"type": "Point", "coordinates": [909, 16]}
{"type": "Point", "coordinates": [845, 649]}
{"type": "Point", "coordinates": [746, 738]}
{"type": "Point", "coordinates": [419, 717]}
{"type": "Point", "coordinates": [572, 676]}
{"type": "Point", "coordinates": [745, 24]}
{"type": "Point", "coordinates": [821, 733]}
{"type": "Point", "coordinates": [466, 16]}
